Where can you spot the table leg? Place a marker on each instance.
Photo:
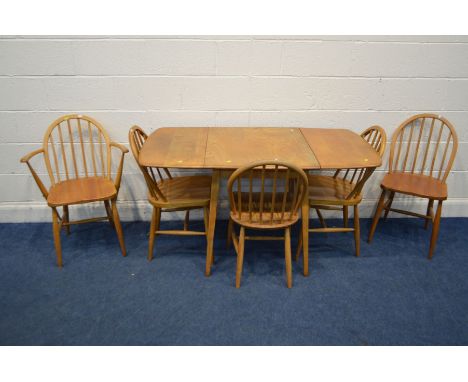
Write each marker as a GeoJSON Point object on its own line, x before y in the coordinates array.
{"type": "Point", "coordinates": [212, 220]}
{"type": "Point", "coordinates": [305, 235]}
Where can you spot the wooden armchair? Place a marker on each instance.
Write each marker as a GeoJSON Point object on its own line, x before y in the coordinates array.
{"type": "Point", "coordinates": [265, 195]}
{"type": "Point", "coordinates": [421, 155]}
{"type": "Point", "coordinates": [77, 154]}
{"type": "Point", "coordinates": [167, 193]}
{"type": "Point", "coordinates": [343, 189]}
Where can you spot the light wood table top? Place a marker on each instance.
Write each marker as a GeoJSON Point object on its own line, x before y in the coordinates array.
{"type": "Point", "coordinates": [231, 147]}
{"type": "Point", "coordinates": [340, 148]}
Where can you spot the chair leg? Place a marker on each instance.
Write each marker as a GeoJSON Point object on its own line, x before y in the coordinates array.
{"type": "Point", "coordinates": [287, 255]}
{"type": "Point", "coordinates": [299, 247]}
{"type": "Point", "coordinates": [56, 231]}
{"type": "Point", "coordinates": [229, 234]}
{"type": "Point", "coordinates": [152, 232]}
{"type": "Point", "coordinates": [357, 231]}
{"type": "Point", "coordinates": [321, 219]}
{"type": "Point", "coordinates": [389, 204]}
{"type": "Point", "coordinates": [118, 227]}
{"type": "Point", "coordinates": [240, 256]}
{"type": "Point", "coordinates": [435, 229]}
{"type": "Point", "coordinates": [378, 212]}
{"type": "Point", "coordinates": [109, 213]}
{"type": "Point", "coordinates": [430, 212]}
{"type": "Point", "coordinates": [66, 219]}
{"type": "Point", "coordinates": [187, 219]}
{"type": "Point", "coordinates": [206, 220]}
{"type": "Point", "coordinates": [345, 216]}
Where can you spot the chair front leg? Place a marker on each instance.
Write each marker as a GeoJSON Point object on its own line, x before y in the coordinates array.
{"type": "Point", "coordinates": [430, 212]}
{"type": "Point", "coordinates": [152, 233]}
{"type": "Point", "coordinates": [66, 219]}
{"type": "Point", "coordinates": [56, 231]}
{"type": "Point", "coordinates": [435, 229]}
{"type": "Point", "coordinates": [240, 256]}
{"type": "Point", "coordinates": [377, 214]}
{"type": "Point", "coordinates": [118, 227]}
{"type": "Point", "coordinates": [287, 256]}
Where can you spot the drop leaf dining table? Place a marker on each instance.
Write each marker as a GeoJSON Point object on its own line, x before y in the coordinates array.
{"type": "Point", "coordinates": [224, 149]}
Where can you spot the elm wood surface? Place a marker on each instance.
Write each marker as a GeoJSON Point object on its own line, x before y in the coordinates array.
{"type": "Point", "coordinates": [77, 154]}
{"type": "Point", "coordinates": [201, 150]}
{"type": "Point", "coordinates": [167, 193]}
{"type": "Point", "coordinates": [343, 189]}
{"type": "Point", "coordinates": [340, 148]}
{"type": "Point", "coordinates": [421, 156]}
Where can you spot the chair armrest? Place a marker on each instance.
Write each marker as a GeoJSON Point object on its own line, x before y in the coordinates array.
{"type": "Point", "coordinates": [119, 146]}
{"type": "Point", "coordinates": [124, 150]}
{"type": "Point", "coordinates": [39, 183]}
{"type": "Point", "coordinates": [28, 157]}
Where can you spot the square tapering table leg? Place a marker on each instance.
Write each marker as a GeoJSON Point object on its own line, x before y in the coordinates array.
{"type": "Point", "coordinates": [212, 220]}
{"type": "Point", "coordinates": [305, 235]}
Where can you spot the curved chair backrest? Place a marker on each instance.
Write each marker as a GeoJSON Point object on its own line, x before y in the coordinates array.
{"type": "Point", "coordinates": [76, 146]}
{"type": "Point", "coordinates": [267, 193]}
{"type": "Point", "coordinates": [377, 138]}
{"type": "Point", "coordinates": [137, 137]}
{"type": "Point", "coordinates": [424, 144]}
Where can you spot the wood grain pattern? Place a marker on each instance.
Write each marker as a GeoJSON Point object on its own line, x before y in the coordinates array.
{"type": "Point", "coordinates": [234, 147]}
{"type": "Point", "coordinates": [340, 148]}
{"type": "Point", "coordinates": [175, 147]}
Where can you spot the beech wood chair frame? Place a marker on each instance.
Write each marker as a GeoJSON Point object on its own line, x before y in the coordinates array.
{"type": "Point", "coordinates": [95, 166]}
{"type": "Point", "coordinates": [157, 178]}
{"type": "Point", "coordinates": [275, 206]}
{"type": "Point", "coordinates": [352, 180]}
{"type": "Point", "coordinates": [405, 164]}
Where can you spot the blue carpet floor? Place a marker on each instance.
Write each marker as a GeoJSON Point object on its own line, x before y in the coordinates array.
{"type": "Point", "coordinates": [391, 295]}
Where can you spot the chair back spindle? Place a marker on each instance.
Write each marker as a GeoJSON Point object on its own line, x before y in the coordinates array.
{"type": "Point", "coordinates": [424, 144]}
{"type": "Point", "coordinates": [267, 193]}
{"type": "Point", "coordinates": [76, 146]}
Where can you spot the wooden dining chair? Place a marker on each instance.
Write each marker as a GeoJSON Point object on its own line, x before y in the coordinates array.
{"type": "Point", "coordinates": [167, 193]}
{"type": "Point", "coordinates": [77, 154]}
{"type": "Point", "coordinates": [264, 196]}
{"type": "Point", "coordinates": [343, 190]}
{"type": "Point", "coordinates": [421, 155]}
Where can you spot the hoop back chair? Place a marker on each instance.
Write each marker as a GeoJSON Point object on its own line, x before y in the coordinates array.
{"type": "Point", "coordinates": [421, 155]}
{"type": "Point", "coordinates": [343, 189]}
{"type": "Point", "coordinates": [265, 195]}
{"type": "Point", "coordinates": [168, 194]}
{"type": "Point", "coordinates": [77, 154]}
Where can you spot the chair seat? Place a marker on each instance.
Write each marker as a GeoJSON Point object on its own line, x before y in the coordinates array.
{"type": "Point", "coordinates": [81, 190]}
{"type": "Point", "coordinates": [326, 190]}
{"type": "Point", "coordinates": [416, 185]}
{"type": "Point", "coordinates": [184, 191]}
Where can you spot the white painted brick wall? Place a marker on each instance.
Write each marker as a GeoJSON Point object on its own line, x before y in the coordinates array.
{"type": "Point", "coordinates": [296, 81]}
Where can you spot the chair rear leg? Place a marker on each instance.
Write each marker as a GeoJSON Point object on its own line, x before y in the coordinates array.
{"type": "Point", "coordinates": [287, 256]}
{"type": "Point", "coordinates": [345, 216]}
{"type": "Point", "coordinates": [109, 213]}
{"type": "Point", "coordinates": [430, 212]}
{"type": "Point", "coordinates": [186, 220]}
{"type": "Point", "coordinates": [299, 247]}
{"type": "Point", "coordinates": [206, 220]}
{"type": "Point", "coordinates": [357, 231]}
{"type": "Point", "coordinates": [377, 214]}
{"type": "Point", "coordinates": [66, 219]}
{"type": "Point", "coordinates": [321, 219]}
{"type": "Point", "coordinates": [152, 232]}
{"type": "Point", "coordinates": [435, 229]}
{"type": "Point", "coordinates": [56, 231]}
{"type": "Point", "coordinates": [389, 205]}
{"type": "Point", "coordinates": [240, 256]}
{"type": "Point", "coordinates": [118, 227]}
{"type": "Point", "coordinates": [229, 234]}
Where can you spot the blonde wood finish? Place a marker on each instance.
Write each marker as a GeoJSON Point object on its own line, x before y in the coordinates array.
{"type": "Point", "coordinates": [234, 147]}
{"type": "Point", "coordinates": [421, 156]}
{"type": "Point", "coordinates": [77, 155]}
{"type": "Point", "coordinates": [221, 148]}
{"type": "Point", "coordinates": [270, 200]}
{"type": "Point", "coordinates": [168, 193]}
{"type": "Point", "coordinates": [344, 188]}
{"type": "Point", "coordinates": [340, 148]}
{"type": "Point", "coordinates": [175, 147]}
